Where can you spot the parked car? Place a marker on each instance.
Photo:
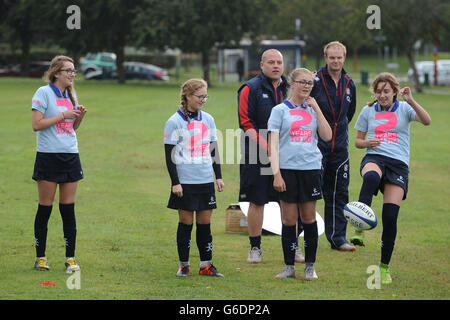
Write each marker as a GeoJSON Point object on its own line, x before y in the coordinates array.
{"type": "Point", "coordinates": [133, 70]}
{"type": "Point", "coordinates": [98, 75]}
{"type": "Point", "coordinates": [139, 70]}
{"type": "Point", "coordinates": [427, 67]}
{"type": "Point", "coordinates": [36, 69]}
{"type": "Point", "coordinates": [103, 61]}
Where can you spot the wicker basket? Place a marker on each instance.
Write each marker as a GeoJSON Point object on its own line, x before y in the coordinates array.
{"type": "Point", "coordinates": [236, 221]}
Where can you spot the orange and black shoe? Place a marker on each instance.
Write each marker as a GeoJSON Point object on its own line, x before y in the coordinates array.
{"type": "Point", "coordinates": [210, 270]}
{"type": "Point", "coordinates": [183, 271]}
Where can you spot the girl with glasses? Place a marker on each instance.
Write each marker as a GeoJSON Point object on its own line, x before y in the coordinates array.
{"type": "Point", "coordinates": [56, 115]}
{"type": "Point", "coordinates": [192, 160]}
{"type": "Point", "coordinates": [294, 127]}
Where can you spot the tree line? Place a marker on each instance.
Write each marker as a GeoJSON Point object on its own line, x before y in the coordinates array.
{"type": "Point", "coordinates": [198, 26]}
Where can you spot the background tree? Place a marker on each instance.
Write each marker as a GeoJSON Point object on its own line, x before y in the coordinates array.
{"type": "Point", "coordinates": [153, 29]}
{"type": "Point", "coordinates": [407, 21]}
{"type": "Point", "coordinates": [110, 27]}
{"type": "Point", "coordinates": [20, 22]}
{"type": "Point", "coordinates": [75, 42]}
{"type": "Point", "coordinates": [198, 25]}
{"type": "Point", "coordinates": [354, 31]}
{"type": "Point", "coordinates": [322, 21]}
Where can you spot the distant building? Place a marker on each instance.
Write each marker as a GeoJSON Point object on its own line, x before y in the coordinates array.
{"type": "Point", "coordinates": [228, 58]}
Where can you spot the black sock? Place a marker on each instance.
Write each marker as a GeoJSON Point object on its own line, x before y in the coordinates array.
{"type": "Point", "coordinates": [204, 241]}
{"type": "Point", "coordinates": [311, 238]}
{"type": "Point", "coordinates": [288, 242]}
{"type": "Point", "coordinates": [389, 215]}
{"type": "Point", "coordinates": [40, 229]}
{"type": "Point", "coordinates": [255, 242]}
{"type": "Point", "coordinates": [371, 181]}
{"type": "Point", "coordinates": [184, 241]}
{"type": "Point", "coordinates": [67, 212]}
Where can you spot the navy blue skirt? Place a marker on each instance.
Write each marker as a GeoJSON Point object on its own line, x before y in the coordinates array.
{"type": "Point", "coordinates": [57, 167]}
{"type": "Point", "coordinates": [196, 197]}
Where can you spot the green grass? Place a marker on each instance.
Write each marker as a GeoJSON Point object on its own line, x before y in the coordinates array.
{"type": "Point", "coordinates": [126, 235]}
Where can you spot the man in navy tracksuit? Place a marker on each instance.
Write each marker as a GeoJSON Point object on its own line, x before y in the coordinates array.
{"type": "Point", "coordinates": [335, 93]}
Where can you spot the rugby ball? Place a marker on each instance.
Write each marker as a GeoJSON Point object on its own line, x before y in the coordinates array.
{"type": "Point", "coordinates": [360, 215]}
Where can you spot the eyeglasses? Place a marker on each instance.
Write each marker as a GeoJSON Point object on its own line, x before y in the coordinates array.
{"type": "Point", "coordinates": [304, 83]}
{"type": "Point", "coordinates": [201, 98]}
{"type": "Point", "coordinates": [69, 71]}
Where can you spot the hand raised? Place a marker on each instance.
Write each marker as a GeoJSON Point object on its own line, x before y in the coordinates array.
{"type": "Point", "coordinates": [406, 93]}
{"type": "Point", "coordinates": [312, 102]}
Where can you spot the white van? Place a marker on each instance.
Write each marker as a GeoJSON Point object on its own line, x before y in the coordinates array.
{"type": "Point", "coordinates": [427, 67]}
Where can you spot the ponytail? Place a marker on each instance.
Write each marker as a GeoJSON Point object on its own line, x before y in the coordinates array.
{"type": "Point", "coordinates": [69, 90]}
{"type": "Point", "coordinates": [372, 103]}
{"type": "Point", "coordinates": [184, 110]}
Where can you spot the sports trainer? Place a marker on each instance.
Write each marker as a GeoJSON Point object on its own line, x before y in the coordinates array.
{"type": "Point", "coordinates": [256, 98]}
{"type": "Point", "coordinates": [335, 92]}
{"type": "Point", "coordinates": [386, 123]}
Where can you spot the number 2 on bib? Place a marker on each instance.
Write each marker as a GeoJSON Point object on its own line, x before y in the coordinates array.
{"type": "Point", "coordinates": [298, 134]}
{"type": "Point", "coordinates": [382, 130]}
{"type": "Point", "coordinates": [196, 148]}
{"type": "Point", "coordinates": [64, 125]}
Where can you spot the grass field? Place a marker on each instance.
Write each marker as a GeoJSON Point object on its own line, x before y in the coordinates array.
{"type": "Point", "coordinates": [126, 236]}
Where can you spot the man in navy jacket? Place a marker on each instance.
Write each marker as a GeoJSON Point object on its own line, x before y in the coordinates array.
{"type": "Point", "coordinates": [335, 92]}
{"type": "Point", "coordinates": [256, 98]}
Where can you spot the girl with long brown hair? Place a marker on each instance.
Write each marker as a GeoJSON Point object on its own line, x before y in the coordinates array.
{"type": "Point", "coordinates": [56, 115]}
{"type": "Point", "coordinates": [383, 129]}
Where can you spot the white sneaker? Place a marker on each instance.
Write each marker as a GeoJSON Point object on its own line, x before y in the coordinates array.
{"type": "Point", "coordinates": [288, 272]}
{"type": "Point", "coordinates": [255, 255]}
{"type": "Point", "coordinates": [345, 247]}
{"type": "Point", "coordinates": [310, 273]}
{"type": "Point", "coordinates": [299, 258]}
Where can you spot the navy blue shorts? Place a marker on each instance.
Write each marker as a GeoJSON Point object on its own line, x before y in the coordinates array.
{"type": "Point", "coordinates": [393, 171]}
{"type": "Point", "coordinates": [57, 167]}
{"type": "Point", "coordinates": [196, 197]}
{"type": "Point", "coordinates": [301, 185]}
{"type": "Point", "coordinates": [256, 186]}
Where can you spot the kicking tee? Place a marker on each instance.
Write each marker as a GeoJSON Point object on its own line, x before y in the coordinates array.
{"type": "Point", "coordinates": [191, 153]}
{"type": "Point", "coordinates": [61, 137]}
{"type": "Point", "coordinates": [297, 127]}
{"type": "Point", "coordinates": [391, 126]}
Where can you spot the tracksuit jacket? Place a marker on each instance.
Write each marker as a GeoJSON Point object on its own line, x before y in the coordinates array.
{"type": "Point", "coordinates": [338, 105]}
{"type": "Point", "coordinates": [256, 98]}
